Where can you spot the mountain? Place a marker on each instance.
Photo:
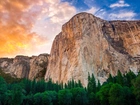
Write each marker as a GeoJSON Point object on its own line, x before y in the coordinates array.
{"type": "Point", "coordinates": [88, 44]}
{"type": "Point", "coordinates": [25, 67]}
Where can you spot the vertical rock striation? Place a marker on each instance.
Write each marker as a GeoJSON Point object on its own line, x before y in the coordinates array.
{"type": "Point", "coordinates": [25, 67]}
{"type": "Point", "coordinates": [38, 66]}
{"type": "Point", "coordinates": [88, 44]}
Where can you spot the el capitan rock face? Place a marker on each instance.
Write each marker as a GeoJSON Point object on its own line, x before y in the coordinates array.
{"type": "Point", "coordinates": [25, 67]}
{"type": "Point", "coordinates": [88, 44]}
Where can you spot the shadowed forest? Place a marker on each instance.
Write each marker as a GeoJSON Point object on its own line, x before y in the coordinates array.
{"type": "Point", "coordinates": [118, 90]}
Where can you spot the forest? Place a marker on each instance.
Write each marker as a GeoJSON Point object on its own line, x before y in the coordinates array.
{"type": "Point", "coordinates": [122, 89]}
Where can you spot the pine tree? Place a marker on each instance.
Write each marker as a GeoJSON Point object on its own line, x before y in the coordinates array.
{"type": "Point", "coordinates": [91, 84]}
{"type": "Point", "coordinates": [120, 79]}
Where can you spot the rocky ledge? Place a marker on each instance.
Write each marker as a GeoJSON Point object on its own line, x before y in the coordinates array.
{"type": "Point", "coordinates": [25, 67]}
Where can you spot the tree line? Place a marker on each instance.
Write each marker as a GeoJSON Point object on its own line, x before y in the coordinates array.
{"type": "Point", "coordinates": [118, 90]}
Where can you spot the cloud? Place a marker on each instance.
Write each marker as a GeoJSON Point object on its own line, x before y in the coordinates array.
{"type": "Point", "coordinates": [56, 14]}
{"type": "Point", "coordinates": [28, 27]}
{"type": "Point", "coordinates": [92, 10]}
{"type": "Point", "coordinates": [125, 15]}
{"type": "Point", "coordinates": [107, 13]}
{"type": "Point", "coordinates": [22, 23]}
{"type": "Point", "coordinates": [120, 3]}
{"type": "Point", "coordinates": [16, 20]}
{"type": "Point", "coordinates": [122, 14]}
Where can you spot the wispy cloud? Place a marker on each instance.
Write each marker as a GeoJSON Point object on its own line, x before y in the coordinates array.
{"type": "Point", "coordinates": [120, 3]}
{"type": "Point", "coordinates": [18, 18]}
{"type": "Point", "coordinates": [113, 12]}
{"type": "Point", "coordinates": [92, 10]}
{"type": "Point", "coordinates": [50, 21]}
{"type": "Point", "coordinates": [125, 15]}
{"type": "Point", "coordinates": [116, 15]}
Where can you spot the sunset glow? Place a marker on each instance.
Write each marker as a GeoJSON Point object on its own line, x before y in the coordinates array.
{"type": "Point", "coordinates": [16, 21]}
{"type": "Point", "coordinates": [23, 25]}
{"type": "Point", "coordinates": [28, 27]}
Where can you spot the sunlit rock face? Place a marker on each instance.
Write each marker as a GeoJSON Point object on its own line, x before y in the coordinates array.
{"type": "Point", "coordinates": [88, 44]}
{"type": "Point", "coordinates": [25, 67]}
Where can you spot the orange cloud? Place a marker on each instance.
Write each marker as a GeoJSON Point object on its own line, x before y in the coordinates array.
{"type": "Point", "coordinates": [16, 21]}
{"type": "Point", "coordinates": [25, 24]}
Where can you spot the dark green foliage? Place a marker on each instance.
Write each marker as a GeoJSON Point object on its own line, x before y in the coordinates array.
{"type": "Point", "coordinates": [79, 96]}
{"type": "Point", "coordinates": [119, 95]}
{"type": "Point", "coordinates": [72, 84]}
{"type": "Point", "coordinates": [92, 98]}
{"type": "Point", "coordinates": [28, 100]}
{"type": "Point", "coordinates": [64, 97]}
{"type": "Point", "coordinates": [3, 89]}
{"type": "Point", "coordinates": [49, 98]}
{"type": "Point", "coordinates": [27, 85]}
{"type": "Point", "coordinates": [103, 94]}
{"type": "Point", "coordinates": [38, 99]}
{"type": "Point", "coordinates": [129, 77]}
{"type": "Point", "coordinates": [110, 79]}
{"type": "Point", "coordinates": [40, 86]}
{"type": "Point", "coordinates": [98, 86]}
{"type": "Point", "coordinates": [116, 95]}
{"type": "Point", "coordinates": [120, 79]}
{"type": "Point", "coordinates": [91, 84]}
{"type": "Point", "coordinates": [136, 84]}
{"type": "Point", "coordinates": [117, 90]}
{"type": "Point", "coordinates": [7, 98]}
{"type": "Point", "coordinates": [3, 86]}
{"type": "Point", "coordinates": [129, 98]}
{"type": "Point", "coordinates": [17, 94]}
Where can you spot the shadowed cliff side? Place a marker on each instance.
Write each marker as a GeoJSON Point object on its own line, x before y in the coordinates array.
{"type": "Point", "coordinates": [25, 67]}
{"type": "Point", "coordinates": [88, 44]}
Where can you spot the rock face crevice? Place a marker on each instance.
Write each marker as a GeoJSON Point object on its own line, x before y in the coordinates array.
{"type": "Point", "coordinates": [123, 36]}
{"type": "Point", "coordinates": [88, 44]}
{"type": "Point", "coordinates": [113, 39]}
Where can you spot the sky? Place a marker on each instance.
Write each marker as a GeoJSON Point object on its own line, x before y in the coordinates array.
{"type": "Point", "coordinates": [28, 27]}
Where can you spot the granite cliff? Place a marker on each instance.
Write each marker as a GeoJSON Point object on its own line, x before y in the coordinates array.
{"type": "Point", "coordinates": [25, 67]}
{"type": "Point", "coordinates": [88, 44]}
